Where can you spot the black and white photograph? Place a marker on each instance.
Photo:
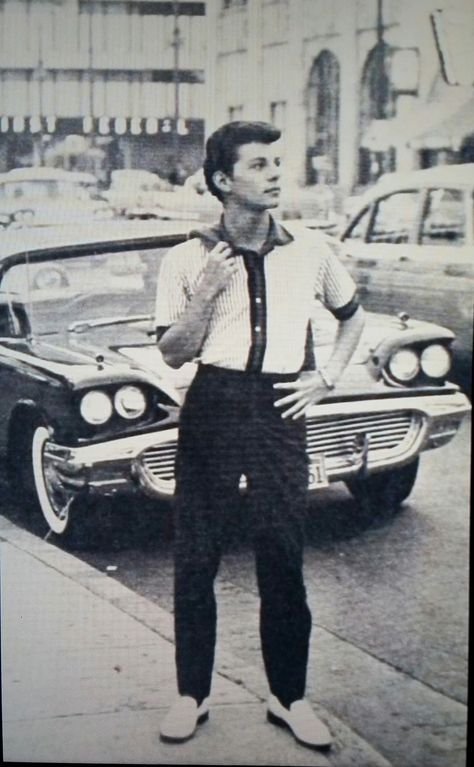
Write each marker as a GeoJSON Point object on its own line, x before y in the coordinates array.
{"type": "Point", "coordinates": [236, 336]}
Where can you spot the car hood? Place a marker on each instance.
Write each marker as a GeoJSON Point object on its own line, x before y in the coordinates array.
{"type": "Point", "coordinates": [124, 353]}
{"type": "Point", "coordinates": [94, 358]}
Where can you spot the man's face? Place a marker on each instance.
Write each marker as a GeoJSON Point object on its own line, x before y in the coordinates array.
{"type": "Point", "coordinates": [255, 181]}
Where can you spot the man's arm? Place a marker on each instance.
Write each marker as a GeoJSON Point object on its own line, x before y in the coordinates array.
{"type": "Point", "coordinates": [347, 338]}
{"type": "Point", "coordinates": [183, 340]}
{"type": "Point", "coordinates": [310, 387]}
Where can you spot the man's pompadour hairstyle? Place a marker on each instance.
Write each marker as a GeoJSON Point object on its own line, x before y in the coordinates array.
{"type": "Point", "coordinates": [222, 145]}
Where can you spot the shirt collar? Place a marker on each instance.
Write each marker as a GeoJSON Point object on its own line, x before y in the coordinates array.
{"type": "Point", "coordinates": [210, 236]}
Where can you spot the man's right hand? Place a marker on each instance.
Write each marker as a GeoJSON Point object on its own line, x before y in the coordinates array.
{"type": "Point", "coordinates": [220, 268]}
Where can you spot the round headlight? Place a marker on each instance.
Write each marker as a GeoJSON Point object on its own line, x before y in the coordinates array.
{"type": "Point", "coordinates": [435, 361]}
{"type": "Point", "coordinates": [130, 402]}
{"type": "Point", "coordinates": [50, 277]}
{"type": "Point", "coordinates": [404, 365]}
{"type": "Point", "coordinates": [96, 407]}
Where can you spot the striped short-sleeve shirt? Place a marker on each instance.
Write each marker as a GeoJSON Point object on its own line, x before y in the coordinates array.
{"type": "Point", "coordinates": [260, 320]}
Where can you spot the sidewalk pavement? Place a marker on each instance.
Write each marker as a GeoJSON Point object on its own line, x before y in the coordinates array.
{"type": "Point", "coordinates": [88, 673]}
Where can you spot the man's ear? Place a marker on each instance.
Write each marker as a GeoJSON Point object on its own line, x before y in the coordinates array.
{"type": "Point", "coordinates": [222, 181]}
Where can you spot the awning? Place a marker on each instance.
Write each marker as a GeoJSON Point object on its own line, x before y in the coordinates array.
{"type": "Point", "coordinates": [104, 126]}
{"type": "Point", "coordinates": [440, 122]}
{"type": "Point", "coordinates": [447, 132]}
{"type": "Point", "coordinates": [381, 135]}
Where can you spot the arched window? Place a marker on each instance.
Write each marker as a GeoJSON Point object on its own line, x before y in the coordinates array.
{"type": "Point", "coordinates": [377, 103]}
{"type": "Point", "coordinates": [323, 120]}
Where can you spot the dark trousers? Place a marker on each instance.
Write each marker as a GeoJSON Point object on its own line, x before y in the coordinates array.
{"type": "Point", "coordinates": [229, 427]}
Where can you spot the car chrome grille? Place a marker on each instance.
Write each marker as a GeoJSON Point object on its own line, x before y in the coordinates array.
{"type": "Point", "coordinates": [159, 460]}
{"type": "Point", "coordinates": [390, 434]}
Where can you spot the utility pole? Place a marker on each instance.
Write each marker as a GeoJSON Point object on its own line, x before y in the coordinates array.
{"type": "Point", "coordinates": [177, 42]}
{"type": "Point", "coordinates": [89, 67]}
{"type": "Point", "coordinates": [40, 76]}
{"type": "Point", "coordinates": [382, 84]}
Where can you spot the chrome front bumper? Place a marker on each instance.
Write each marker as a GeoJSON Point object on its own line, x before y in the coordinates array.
{"type": "Point", "coordinates": [144, 462]}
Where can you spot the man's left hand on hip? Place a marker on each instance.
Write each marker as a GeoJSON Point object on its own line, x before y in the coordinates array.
{"type": "Point", "coordinates": [308, 389]}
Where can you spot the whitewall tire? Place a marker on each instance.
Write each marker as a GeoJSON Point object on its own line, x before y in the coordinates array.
{"type": "Point", "coordinates": [53, 499]}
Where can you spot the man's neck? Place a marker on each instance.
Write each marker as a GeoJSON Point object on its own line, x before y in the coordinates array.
{"type": "Point", "coordinates": [247, 228]}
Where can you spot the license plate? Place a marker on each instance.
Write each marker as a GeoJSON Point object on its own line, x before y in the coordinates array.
{"type": "Point", "coordinates": [317, 472]}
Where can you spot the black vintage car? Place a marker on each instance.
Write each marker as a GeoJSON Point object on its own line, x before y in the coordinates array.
{"type": "Point", "coordinates": [88, 408]}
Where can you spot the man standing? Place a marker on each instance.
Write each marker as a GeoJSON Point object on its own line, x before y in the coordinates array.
{"type": "Point", "coordinates": [238, 297]}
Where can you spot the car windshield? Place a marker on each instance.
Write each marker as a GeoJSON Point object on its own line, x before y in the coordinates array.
{"type": "Point", "coordinates": [61, 294]}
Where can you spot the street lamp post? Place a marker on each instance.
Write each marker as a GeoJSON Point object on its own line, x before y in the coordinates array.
{"type": "Point", "coordinates": [89, 66]}
{"type": "Point", "coordinates": [177, 42]}
{"type": "Point", "coordinates": [40, 76]}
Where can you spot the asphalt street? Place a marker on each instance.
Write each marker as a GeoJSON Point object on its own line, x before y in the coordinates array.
{"type": "Point", "coordinates": [389, 598]}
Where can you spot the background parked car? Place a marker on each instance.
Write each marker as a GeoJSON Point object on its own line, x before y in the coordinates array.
{"type": "Point", "coordinates": [410, 247]}
{"type": "Point", "coordinates": [50, 196]}
{"type": "Point", "coordinates": [135, 193]}
{"type": "Point", "coordinates": [140, 194]}
{"type": "Point", "coordinates": [88, 407]}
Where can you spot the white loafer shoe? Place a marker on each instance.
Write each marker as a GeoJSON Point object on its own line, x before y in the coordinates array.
{"type": "Point", "coordinates": [182, 719]}
{"type": "Point", "coordinates": [300, 718]}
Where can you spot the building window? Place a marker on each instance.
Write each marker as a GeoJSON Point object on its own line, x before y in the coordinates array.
{"type": "Point", "coordinates": [117, 28]}
{"type": "Point", "coordinates": [278, 114]}
{"type": "Point", "coordinates": [235, 113]}
{"type": "Point", "coordinates": [233, 3]}
{"type": "Point", "coordinates": [323, 120]}
{"type": "Point", "coordinates": [377, 103]}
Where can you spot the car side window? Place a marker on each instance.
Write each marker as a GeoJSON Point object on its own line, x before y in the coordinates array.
{"type": "Point", "coordinates": [358, 228]}
{"type": "Point", "coordinates": [444, 218]}
{"type": "Point", "coordinates": [394, 217]}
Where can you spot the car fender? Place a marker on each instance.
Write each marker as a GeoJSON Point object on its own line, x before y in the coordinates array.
{"type": "Point", "coordinates": [25, 411]}
{"type": "Point", "coordinates": [421, 334]}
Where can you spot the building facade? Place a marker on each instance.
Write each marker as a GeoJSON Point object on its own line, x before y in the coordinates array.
{"type": "Point", "coordinates": [358, 87]}
{"type": "Point", "coordinates": [351, 83]}
{"type": "Point", "coordinates": [102, 84]}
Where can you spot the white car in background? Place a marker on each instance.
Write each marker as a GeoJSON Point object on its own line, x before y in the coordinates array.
{"type": "Point", "coordinates": [410, 248]}
{"type": "Point", "coordinates": [138, 194]}
{"type": "Point", "coordinates": [49, 197]}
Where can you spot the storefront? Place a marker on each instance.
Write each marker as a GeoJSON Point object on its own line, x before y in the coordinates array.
{"type": "Point", "coordinates": [100, 145]}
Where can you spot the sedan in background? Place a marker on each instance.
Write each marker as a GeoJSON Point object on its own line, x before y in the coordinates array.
{"type": "Point", "coordinates": [410, 248]}
{"type": "Point", "coordinates": [50, 197]}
